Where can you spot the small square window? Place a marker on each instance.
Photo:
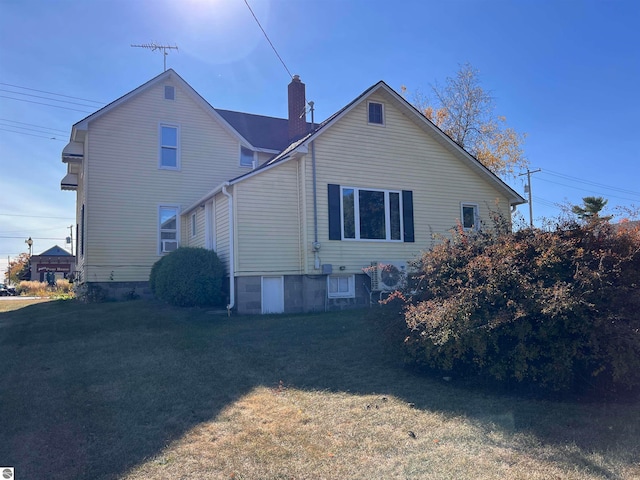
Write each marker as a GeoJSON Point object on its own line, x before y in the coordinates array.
{"type": "Point", "coordinates": [246, 157]}
{"type": "Point", "coordinates": [376, 113]}
{"type": "Point", "coordinates": [169, 92]}
{"type": "Point", "coordinates": [341, 286]}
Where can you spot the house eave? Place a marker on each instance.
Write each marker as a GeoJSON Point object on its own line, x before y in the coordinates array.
{"type": "Point", "coordinates": [204, 199]}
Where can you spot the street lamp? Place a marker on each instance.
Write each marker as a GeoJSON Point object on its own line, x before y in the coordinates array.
{"type": "Point", "coordinates": [29, 242]}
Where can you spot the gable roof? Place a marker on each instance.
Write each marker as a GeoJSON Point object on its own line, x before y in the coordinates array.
{"type": "Point", "coordinates": [412, 113]}
{"type": "Point", "coordinates": [79, 128]}
{"type": "Point", "coordinates": [55, 251]}
{"type": "Point", "coordinates": [268, 133]}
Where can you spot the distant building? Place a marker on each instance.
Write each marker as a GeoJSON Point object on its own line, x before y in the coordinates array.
{"type": "Point", "coordinates": [51, 265]}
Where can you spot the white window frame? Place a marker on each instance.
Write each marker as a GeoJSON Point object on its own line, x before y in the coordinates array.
{"type": "Point", "coordinates": [351, 287]}
{"type": "Point", "coordinates": [194, 224]}
{"type": "Point", "coordinates": [172, 90]}
{"type": "Point", "coordinates": [161, 146]}
{"type": "Point", "coordinates": [356, 211]}
{"type": "Point", "coordinates": [369, 114]}
{"type": "Point", "coordinates": [253, 158]}
{"type": "Point", "coordinates": [175, 207]}
{"type": "Point", "coordinates": [476, 216]}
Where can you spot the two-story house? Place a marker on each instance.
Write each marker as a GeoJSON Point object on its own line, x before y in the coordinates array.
{"type": "Point", "coordinates": [297, 212]}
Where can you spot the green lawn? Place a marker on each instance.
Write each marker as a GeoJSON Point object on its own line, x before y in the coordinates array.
{"type": "Point", "coordinates": [140, 390]}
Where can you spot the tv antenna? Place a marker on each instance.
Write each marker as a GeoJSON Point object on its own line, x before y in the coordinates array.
{"type": "Point", "coordinates": [153, 47]}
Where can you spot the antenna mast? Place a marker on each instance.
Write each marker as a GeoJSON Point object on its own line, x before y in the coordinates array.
{"type": "Point", "coordinates": [153, 47]}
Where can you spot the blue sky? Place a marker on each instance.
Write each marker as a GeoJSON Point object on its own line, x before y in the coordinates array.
{"type": "Point", "coordinates": [565, 72]}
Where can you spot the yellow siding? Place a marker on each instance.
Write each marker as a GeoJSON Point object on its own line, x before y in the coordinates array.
{"type": "Point", "coordinates": [125, 185]}
{"type": "Point", "coordinates": [221, 229]}
{"type": "Point", "coordinates": [196, 240]}
{"type": "Point", "coordinates": [396, 156]}
{"type": "Point", "coordinates": [268, 230]}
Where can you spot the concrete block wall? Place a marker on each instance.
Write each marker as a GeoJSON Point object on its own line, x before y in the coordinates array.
{"type": "Point", "coordinates": [302, 293]}
{"type": "Point", "coordinates": [249, 295]}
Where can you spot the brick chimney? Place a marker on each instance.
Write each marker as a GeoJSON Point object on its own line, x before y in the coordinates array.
{"type": "Point", "coordinates": [297, 109]}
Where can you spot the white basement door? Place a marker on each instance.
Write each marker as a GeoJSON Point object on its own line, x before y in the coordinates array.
{"type": "Point", "coordinates": [272, 294]}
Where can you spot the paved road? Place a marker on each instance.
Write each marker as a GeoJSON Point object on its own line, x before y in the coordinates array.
{"type": "Point", "coordinates": [19, 297]}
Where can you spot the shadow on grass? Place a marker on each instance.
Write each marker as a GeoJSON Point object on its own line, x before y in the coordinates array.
{"type": "Point", "coordinates": [90, 391]}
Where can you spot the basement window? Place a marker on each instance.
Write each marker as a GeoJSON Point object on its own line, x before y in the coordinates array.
{"type": "Point", "coordinates": [341, 286]}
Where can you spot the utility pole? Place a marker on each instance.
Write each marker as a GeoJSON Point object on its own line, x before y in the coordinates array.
{"type": "Point", "coordinates": [153, 47]}
{"type": "Point", "coordinates": [527, 189]}
{"type": "Point", "coordinates": [70, 227]}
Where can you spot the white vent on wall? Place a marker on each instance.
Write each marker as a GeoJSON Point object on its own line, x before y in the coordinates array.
{"type": "Point", "coordinates": [169, 245]}
{"type": "Point", "coordinates": [387, 276]}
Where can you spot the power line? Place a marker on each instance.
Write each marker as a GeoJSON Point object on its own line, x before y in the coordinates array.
{"type": "Point", "coordinates": [32, 125]}
{"type": "Point", "coordinates": [47, 104]}
{"type": "Point", "coordinates": [46, 98]}
{"type": "Point", "coordinates": [36, 238]}
{"type": "Point", "coordinates": [35, 216]}
{"type": "Point", "coordinates": [33, 135]}
{"type": "Point", "coordinates": [547, 203]}
{"type": "Point", "coordinates": [589, 182]}
{"type": "Point", "coordinates": [15, 232]}
{"type": "Point", "coordinates": [586, 190]}
{"type": "Point", "coordinates": [267, 37]}
{"type": "Point", "coordinates": [37, 130]}
{"type": "Point", "coordinates": [52, 93]}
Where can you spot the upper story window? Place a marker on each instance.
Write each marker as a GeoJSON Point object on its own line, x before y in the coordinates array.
{"type": "Point", "coordinates": [246, 157]}
{"type": "Point", "coordinates": [169, 147]}
{"type": "Point", "coordinates": [168, 228]}
{"type": "Point", "coordinates": [169, 92]}
{"type": "Point", "coordinates": [376, 113]}
{"type": "Point", "coordinates": [370, 214]}
{"type": "Point", "coordinates": [469, 215]}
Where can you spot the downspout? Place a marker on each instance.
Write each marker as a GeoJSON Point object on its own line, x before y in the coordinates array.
{"type": "Point", "coordinates": [316, 243]}
{"type": "Point", "coordinates": [232, 284]}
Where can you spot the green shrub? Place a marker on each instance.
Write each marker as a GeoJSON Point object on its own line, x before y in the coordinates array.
{"type": "Point", "coordinates": [555, 309]}
{"type": "Point", "coordinates": [189, 277]}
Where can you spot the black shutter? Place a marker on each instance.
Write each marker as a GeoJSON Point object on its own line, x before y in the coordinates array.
{"type": "Point", "coordinates": [407, 215]}
{"type": "Point", "coordinates": [334, 212]}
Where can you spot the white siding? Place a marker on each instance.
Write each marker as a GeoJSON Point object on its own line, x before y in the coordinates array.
{"type": "Point", "coordinates": [125, 185]}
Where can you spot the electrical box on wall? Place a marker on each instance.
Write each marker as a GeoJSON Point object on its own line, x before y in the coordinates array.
{"type": "Point", "coordinates": [327, 269]}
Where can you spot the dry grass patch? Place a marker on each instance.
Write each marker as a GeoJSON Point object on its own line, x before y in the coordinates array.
{"type": "Point", "coordinates": [287, 433]}
{"type": "Point", "coordinates": [139, 390]}
{"type": "Point", "coordinates": [8, 304]}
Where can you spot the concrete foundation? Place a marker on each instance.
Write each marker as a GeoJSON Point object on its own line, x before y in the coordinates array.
{"type": "Point", "coordinates": [110, 291]}
{"type": "Point", "coordinates": [302, 293]}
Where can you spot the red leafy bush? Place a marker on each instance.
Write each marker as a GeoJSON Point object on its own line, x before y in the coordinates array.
{"type": "Point", "coordinates": [556, 309]}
